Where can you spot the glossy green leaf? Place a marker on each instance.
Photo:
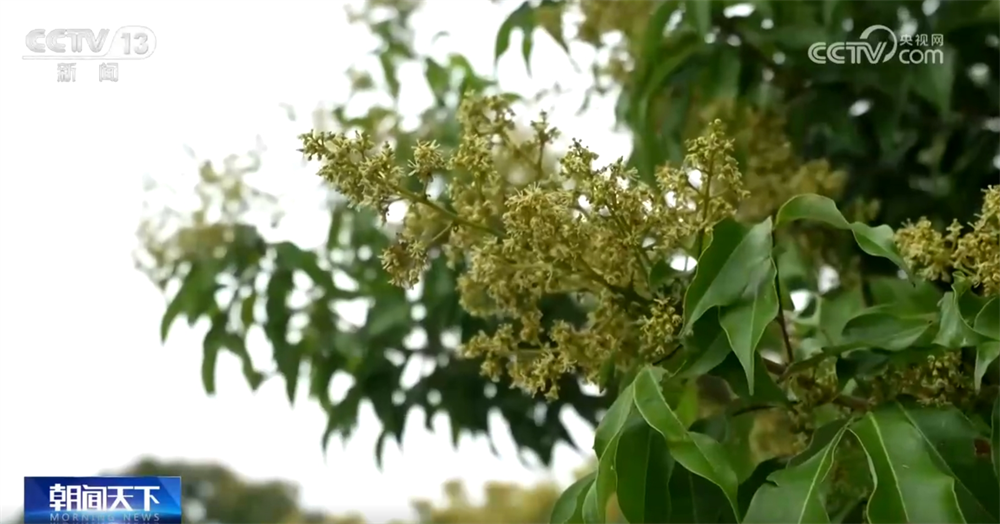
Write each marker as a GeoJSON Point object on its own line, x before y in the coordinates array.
{"type": "Point", "coordinates": [987, 322]}
{"type": "Point", "coordinates": [885, 328]}
{"type": "Point", "coordinates": [694, 499]}
{"type": "Point", "coordinates": [986, 353]}
{"type": "Point", "coordinates": [704, 350]}
{"type": "Point", "coordinates": [955, 332]}
{"type": "Point", "coordinates": [745, 321]}
{"type": "Point", "coordinates": [724, 271]}
{"type": "Point", "coordinates": [614, 420]}
{"type": "Point", "coordinates": [592, 513]}
{"type": "Point", "coordinates": [951, 438]}
{"type": "Point", "coordinates": [797, 492]}
{"type": "Point", "coordinates": [606, 483]}
{"type": "Point", "coordinates": [995, 436]}
{"type": "Point", "coordinates": [876, 241]}
{"type": "Point", "coordinates": [836, 309]}
{"type": "Point", "coordinates": [909, 487]}
{"type": "Point", "coordinates": [696, 452]}
{"type": "Point", "coordinates": [701, 15]}
{"type": "Point", "coordinates": [767, 391]}
{"type": "Point", "coordinates": [568, 508]}
{"type": "Point", "coordinates": [643, 467]}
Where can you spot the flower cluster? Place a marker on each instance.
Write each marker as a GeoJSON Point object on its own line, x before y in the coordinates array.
{"type": "Point", "coordinates": [935, 380]}
{"type": "Point", "coordinates": [974, 251]}
{"type": "Point", "coordinates": [528, 232]}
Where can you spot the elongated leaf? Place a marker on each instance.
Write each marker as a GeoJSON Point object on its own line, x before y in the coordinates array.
{"type": "Point", "coordinates": [705, 349]}
{"type": "Point", "coordinates": [569, 507]}
{"type": "Point", "coordinates": [193, 298]}
{"type": "Point", "coordinates": [954, 332]}
{"type": "Point", "coordinates": [606, 483]}
{"type": "Point", "coordinates": [951, 439]}
{"type": "Point", "coordinates": [213, 342]}
{"type": "Point", "coordinates": [522, 18]}
{"type": "Point", "coordinates": [908, 485]}
{"type": "Point", "coordinates": [987, 321]}
{"type": "Point", "coordinates": [986, 353]}
{"type": "Point", "coordinates": [836, 310]}
{"type": "Point", "coordinates": [745, 321]}
{"type": "Point", "coordinates": [767, 391]}
{"type": "Point", "coordinates": [883, 327]}
{"type": "Point", "coordinates": [796, 495]}
{"type": "Point", "coordinates": [696, 500]}
{"type": "Point", "coordinates": [287, 356]}
{"type": "Point", "coordinates": [876, 241]}
{"type": "Point", "coordinates": [614, 420]}
{"type": "Point", "coordinates": [592, 513]}
{"type": "Point", "coordinates": [643, 466]}
{"type": "Point", "coordinates": [701, 15]}
{"type": "Point", "coordinates": [724, 269]}
{"type": "Point", "coordinates": [698, 453]}
{"type": "Point", "coordinates": [995, 437]}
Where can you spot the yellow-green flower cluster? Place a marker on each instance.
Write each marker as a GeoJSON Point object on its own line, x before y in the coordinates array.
{"type": "Point", "coordinates": [974, 252]}
{"type": "Point", "coordinates": [581, 230]}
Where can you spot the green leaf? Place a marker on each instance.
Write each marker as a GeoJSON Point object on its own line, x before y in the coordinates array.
{"type": "Point", "coordinates": [696, 500]}
{"type": "Point", "coordinates": [722, 77]}
{"type": "Point", "coordinates": [933, 82]}
{"type": "Point", "coordinates": [705, 349]}
{"type": "Point", "coordinates": [722, 275]}
{"type": "Point", "coordinates": [643, 467]}
{"type": "Point", "coordinates": [909, 487]}
{"type": "Point", "coordinates": [797, 493]}
{"type": "Point", "coordinates": [247, 309]}
{"type": "Point", "coordinates": [569, 507]}
{"type": "Point", "coordinates": [698, 453]}
{"type": "Point", "coordinates": [995, 436]}
{"type": "Point", "coordinates": [438, 79]}
{"type": "Point", "coordinates": [950, 438]}
{"type": "Point", "coordinates": [592, 513]}
{"type": "Point", "coordinates": [387, 61]}
{"type": "Point", "coordinates": [211, 345]}
{"type": "Point", "coordinates": [767, 391]}
{"type": "Point", "coordinates": [876, 241]}
{"type": "Point", "coordinates": [287, 356]}
{"type": "Point", "coordinates": [606, 483]}
{"type": "Point", "coordinates": [614, 420]}
{"type": "Point", "coordinates": [885, 327]}
{"type": "Point", "coordinates": [701, 15]}
{"type": "Point", "coordinates": [955, 331]}
{"type": "Point", "coordinates": [745, 321]}
{"type": "Point", "coordinates": [194, 297]}
{"type": "Point", "coordinates": [836, 310]}
{"type": "Point", "coordinates": [522, 18]}
{"type": "Point", "coordinates": [986, 353]}
{"type": "Point", "coordinates": [987, 322]}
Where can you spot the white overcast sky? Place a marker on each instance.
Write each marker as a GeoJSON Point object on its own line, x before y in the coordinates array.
{"type": "Point", "coordinates": [85, 385]}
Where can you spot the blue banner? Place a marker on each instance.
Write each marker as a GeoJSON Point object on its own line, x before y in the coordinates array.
{"type": "Point", "coordinates": [99, 500]}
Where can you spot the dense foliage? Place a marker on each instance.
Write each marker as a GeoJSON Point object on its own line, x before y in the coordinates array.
{"type": "Point", "coordinates": [757, 175]}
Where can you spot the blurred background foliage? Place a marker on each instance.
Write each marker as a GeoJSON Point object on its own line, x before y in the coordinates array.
{"type": "Point", "coordinates": [892, 142]}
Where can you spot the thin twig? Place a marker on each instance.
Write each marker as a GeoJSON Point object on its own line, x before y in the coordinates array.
{"type": "Point", "coordinates": [789, 355]}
